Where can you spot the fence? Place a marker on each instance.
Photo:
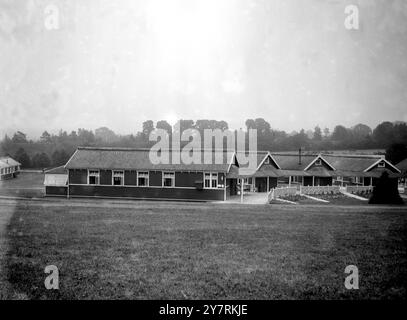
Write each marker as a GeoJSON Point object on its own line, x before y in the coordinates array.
{"type": "Point", "coordinates": [281, 192]}
{"type": "Point", "coordinates": [319, 190]}
{"type": "Point", "coordinates": [359, 189]}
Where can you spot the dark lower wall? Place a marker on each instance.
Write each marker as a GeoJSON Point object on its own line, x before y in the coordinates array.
{"type": "Point", "coordinates": [7, 176]}
{"type": "Point", "coordinates": [55, 191]}
{"type": "Point", "coordinates": [147, 193]}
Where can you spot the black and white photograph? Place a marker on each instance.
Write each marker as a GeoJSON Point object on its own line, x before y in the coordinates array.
{"type": "Point", "coordinates": [225, 151]}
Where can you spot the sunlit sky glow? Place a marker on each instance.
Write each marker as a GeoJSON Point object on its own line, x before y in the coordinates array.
{"type": "Point", "coordinates": [119, 63]}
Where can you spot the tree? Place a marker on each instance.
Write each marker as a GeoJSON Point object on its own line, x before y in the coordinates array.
{"type": "Point", "coordinates": [185, 125]}
{"type": "Point", "coordinates": [22, 157]}
{"type": "Point", "coordinates": [59, 157]}
{"type": "Point", "coordinates": [361, 131]}
{"type": "Point", "coordinates": [396, 153]}
{"type": "Point", "coordinates": [250, 124]}
{"type": "Point", "coordinates": [340, 134]}
{"type": "Point", "coordinates": [86, 137]}
{"type": "Point", "coordinates": [385, 192]}
{"type": "Point", "coordinates": [317, 134]}
{"type": "Point", "coordinates": [164, 125]}
{"type": "Point", "coordinates": [400, 132]}
{"type": "Point", "coordinates": [41, 160]}
{"type": "Point", "coordinates": [326, 133]}
{"type": "Point", "coordinates": [262, 126]}
{"type": "Point", "coordinates": [19, 137]}
{"type": "Point", "coordinates": [383, 134]}
{"type": "Point", "coordinates": [6, 144]}
{"type": "Point", "coordinates": [104, 134]}
{"type": "Point", "coordinates": [148, 127]}
{"type": "Point", "coordinates": [298, 140]}
{"type": "Point", "coordinates": [45, 137]}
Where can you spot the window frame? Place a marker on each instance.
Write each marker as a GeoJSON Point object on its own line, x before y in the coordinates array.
{"type": "Point", "coordinates": [381, 164]}
{"type": "Point", "coordinates": [318, 162]}
{"type": "Point", "coordinates": [358, 180]}
{"type": "Point", "coordinates": [295, 179]}
{"type": "Point", "coordinates": [148, 178]}
{"type": "Point", "coordinates": [212, 176]}
{"type": "Point", "coordinates": [172, 173]}
{"type": "Point", "coordinates": [120, 175]}
{"type": "Point", "coordinates": [93, 175]}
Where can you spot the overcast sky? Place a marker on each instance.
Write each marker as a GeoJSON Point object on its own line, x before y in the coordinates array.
{"type": "Point", "coordinates": [119, 63]}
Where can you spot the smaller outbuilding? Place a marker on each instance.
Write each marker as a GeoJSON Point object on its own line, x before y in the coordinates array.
{"type": "Point", "coordinates": [402, 166]}
{"type": "Point", "coordinates": [56, 181]}
{"type": "Point", "coordinates": [9, 168]}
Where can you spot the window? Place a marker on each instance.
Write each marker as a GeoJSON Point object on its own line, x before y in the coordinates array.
{"type": "Point", "coordinates": [294, 179]}
{"type": "Point", "coordinates": [358, 180]}
{"type": "Point", "coordinates": [142, 179]}
{"type": "Point", "coordinates": [381, 165]}
{"type": "Point", "coordinates": [118, 177]}
{"type": "Point", "coordinates": [211, 180]}
{"type": "Point", "coordinates": [168, 179]}
{"type": "Point", "coordinates": [267, 161]}
{"type": "Point", "coordinates": [339, 178]}
{"type": "Point", "coordinates": [93, 177]}
{"type": "Point", "coordinates": [318, 162]}
{"type": "Point", "coordinates": [1, 171]}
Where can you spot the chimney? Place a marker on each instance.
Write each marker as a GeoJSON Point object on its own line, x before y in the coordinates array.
{"type": "Point", "coordinates": [299, 156]}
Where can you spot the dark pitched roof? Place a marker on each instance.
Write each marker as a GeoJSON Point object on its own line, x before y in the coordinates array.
{"type": "Point", "coordinates": [259, 155]}
{"type": "Point", "coordinates": [139, 159]}
{"type": "Point", "coordinates": [402, 165]}
{"type": "Point", "coordinates": [292, 162]}
{"type": "Point", "coordinates": [354, 163]}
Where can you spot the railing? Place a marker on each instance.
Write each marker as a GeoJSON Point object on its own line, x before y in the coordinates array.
{"type": "Point", "coordinates": [319, 189]}
{"type": "Point", "coordinates": [281, 192]}
{"type": "Point", "coordinates": [359, 189]}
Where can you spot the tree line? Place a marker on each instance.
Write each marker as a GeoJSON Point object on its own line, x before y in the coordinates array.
{"type": "Point", "coordinates": [51, 150]}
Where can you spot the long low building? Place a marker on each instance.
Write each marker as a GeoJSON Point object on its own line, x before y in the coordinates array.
{"type": "Point", "coordinates": [287, 169]}
{"type": "Point", "coordinates": [129, 173]}
{"type": "Point", "coordinates": [9, 168]}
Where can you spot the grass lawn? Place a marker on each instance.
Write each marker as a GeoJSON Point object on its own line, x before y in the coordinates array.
{"type": "Point", "coordinates": [141, 250]}
{"type": "Point", "coordinates": [341, 199]}
{"type": "Point", "coordinates": [27, 184]}
{"type": "Point", "coordinates": [334, 199]}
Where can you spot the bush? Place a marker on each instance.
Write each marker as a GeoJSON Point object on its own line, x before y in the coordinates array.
{"type": "Point", "coordinates": [386, 192]}
{"type": "Point", "coordinates": [41, 160]}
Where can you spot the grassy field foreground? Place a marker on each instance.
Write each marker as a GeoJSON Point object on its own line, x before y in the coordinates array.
{"type": "Point", "coordinates": [139, 250]}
